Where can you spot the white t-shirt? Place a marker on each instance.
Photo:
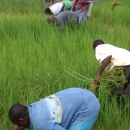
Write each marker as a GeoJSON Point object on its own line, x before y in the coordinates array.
{"type": "Point", "coordinates": [56, 8]}
{"type": "Point", "coordinates": [120, 56]}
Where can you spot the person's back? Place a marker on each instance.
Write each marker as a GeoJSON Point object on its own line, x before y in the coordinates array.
{"type": "Point", "coordinates": [67, 3]}
{"type": "Point", "coordinates": [56, 8]}
{"type": "Point", "coordinates": [66, 16]}
{"type": "Point", "coordinates": [120, 56]}
{"type": "Point", "coordinates": [75, 99]}
{"type": "Point", "coordinates": [74, 102]}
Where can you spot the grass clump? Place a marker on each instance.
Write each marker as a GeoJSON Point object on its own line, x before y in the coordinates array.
{"type": "Point", "coordinates": [114, 78]}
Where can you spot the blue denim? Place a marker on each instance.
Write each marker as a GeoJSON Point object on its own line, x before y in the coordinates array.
{"type": "Point", "coordinates": [85, 125]}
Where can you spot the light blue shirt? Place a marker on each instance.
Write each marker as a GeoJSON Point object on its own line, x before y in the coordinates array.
{"type": "Point", "coordinates": [78, 105]}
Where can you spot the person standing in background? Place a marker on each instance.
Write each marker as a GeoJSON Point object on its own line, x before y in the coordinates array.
{"type": "Point", "coordinates": [81, 7]}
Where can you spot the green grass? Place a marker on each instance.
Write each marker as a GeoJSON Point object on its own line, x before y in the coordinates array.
{"type": "Point", "coordinates": [36, 60]}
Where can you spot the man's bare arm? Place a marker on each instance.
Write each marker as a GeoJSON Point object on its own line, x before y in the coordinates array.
{"type": "Point", "coordinates": [104, 64]}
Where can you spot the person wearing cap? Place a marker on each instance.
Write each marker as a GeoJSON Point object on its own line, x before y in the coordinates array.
{"type": "Point", "coordinates": [69, 109]}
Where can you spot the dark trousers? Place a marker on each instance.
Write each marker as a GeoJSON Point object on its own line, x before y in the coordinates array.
{"type": "Point", "coordinates": [123, 91]}
{"type": "Point", "coordinates": [126, 89]}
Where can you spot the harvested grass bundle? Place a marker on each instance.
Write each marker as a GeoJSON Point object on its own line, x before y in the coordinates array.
{"type": "Point", "coordinates": [113, 79]}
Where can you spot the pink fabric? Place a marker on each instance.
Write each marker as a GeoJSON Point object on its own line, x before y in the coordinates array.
{"type": "Point", "coordinates": [82, 4]}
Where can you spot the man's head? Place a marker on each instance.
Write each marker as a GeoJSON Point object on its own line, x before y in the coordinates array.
{"type": "Point", "coordinates": [97, 42]}
{"type": "Point", "coordinates": [50, 19]}
{"type": "Point", "coordinates": [19, 115]}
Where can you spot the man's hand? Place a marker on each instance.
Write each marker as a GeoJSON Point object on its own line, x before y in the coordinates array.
{"type": "Point", "coordinates": [104, 64]}
{"type": "Point", "coordinates": [94, 82]}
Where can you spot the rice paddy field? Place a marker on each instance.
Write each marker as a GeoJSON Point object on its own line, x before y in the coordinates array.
{"type": "Point", "coordinates": [36, 60]}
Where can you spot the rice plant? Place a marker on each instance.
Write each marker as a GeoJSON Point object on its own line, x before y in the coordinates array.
{"type": "Point", "coordinates": [36, 60]}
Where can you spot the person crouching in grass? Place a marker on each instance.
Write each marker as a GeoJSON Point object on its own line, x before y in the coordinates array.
{"type": "Point", "coordinates": [66, 17]}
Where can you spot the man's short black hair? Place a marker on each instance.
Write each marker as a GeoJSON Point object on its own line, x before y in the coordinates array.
{"type": "Point", "coordinates": [17, 111]}
{"type": "Point", "coordinates": [97, 42]}
{"type": "Point", "coordinates": [48, 11]}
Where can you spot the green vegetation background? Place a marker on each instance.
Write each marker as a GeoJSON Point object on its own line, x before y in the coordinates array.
{"type": "Point", "coordinates": [36, 60]}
